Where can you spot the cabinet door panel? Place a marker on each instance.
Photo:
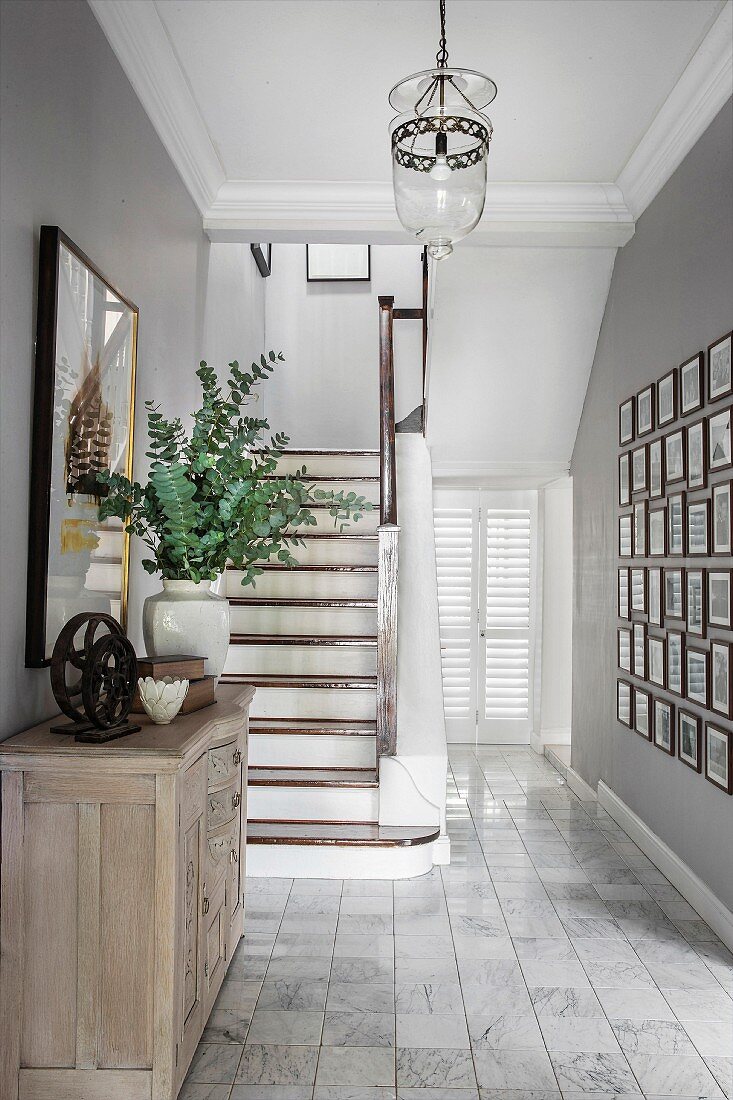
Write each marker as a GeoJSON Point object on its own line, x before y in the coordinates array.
{"type": "Point", "coordinates": [216, 946]}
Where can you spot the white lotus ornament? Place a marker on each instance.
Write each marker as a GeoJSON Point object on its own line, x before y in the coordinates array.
{"type": "Point", "coordinates": [162, 699]}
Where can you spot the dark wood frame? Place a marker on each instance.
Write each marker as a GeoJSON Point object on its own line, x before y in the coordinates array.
{"type": "Point", "coordinates": [716, 489]}
{"type": "Point", "coordinates": [699, 359]}
{"type": "Point", "coordinates": [662, 469]}
{"type": "Point", "coordinates": [702, 425]}
{"type": "Point", "coordinates": [655, 511]}
{"type": "Point", "coordinates": [700, 653]}
{"type": "Point", "coordinates": [663, 642]}
{"type": "Point", "coordinates": [627, 684]}
{"type": "Point", "coordinates": [705, 504]}
{"type": "Point", "coordinates": [342, 279]}
{"type": "Point", "coordinates": [649, 714]}
{"type": "Point", "coordinates": [630, 517]}
{"type": "Point", "coordinates": [627, 617]}
{"type": "Point", "coordinates": [638, 569]}
{"type": "Point", "coordinates": [675, 634]}
{"type": "Point", "coordinates": [683, 476]}
{"type": "Point", "coordinates": [729, 736]}
{"type": "Point", "coordinates": [672, 374]}
{"type": "Point", "coordinates": [630, 439]}
{"type": "Point", "coordinates": [51, 239]}
{"type": "Point", "coordinates": [624, 456]}
{"type": "Point", "coordinates": [729, 463]}
{"type": "Point", "coordinates": [619, 631]}
{"type": "Point", "coordinates": [683, 525]}
{"type": "Point", "coordinates": [639, 672]}
{"type": "Point", "coordinates": [658, 570]}
{"type": "Point", "coordinates": [641, 552]}
{"type": "Point", "coordinates": [645, 487]}
{"type": "Point", "coordinates": [728, 712]}
{"type": "Point", "coordinates": [681, 618]}
{"type": "Point", "coordinates": [694, 718]}
{"type": "Point", "coordinates": [703, 629]}
{"type": "Point", "coordinates": [711, 573]}
{"type": "Point", "coordinates": [264, 263]}
{"type": "Point", "coordinates": [651, 389]}
{"type": "Point", "coordinates": [671, 708]}
{"type": "Point", "coordinates": [729, 391]}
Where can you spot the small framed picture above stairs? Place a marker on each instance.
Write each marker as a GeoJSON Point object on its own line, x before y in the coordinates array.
{"type": "Point", "coordinates": [306, 639]}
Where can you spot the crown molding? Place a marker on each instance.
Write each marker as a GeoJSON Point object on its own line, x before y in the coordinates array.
{"type": "Point", "coordinates": [499, 475]}
{"type": "Point", "coordinates": [702, 91]}
{"type": "Point", "coordinates": [136, 34]}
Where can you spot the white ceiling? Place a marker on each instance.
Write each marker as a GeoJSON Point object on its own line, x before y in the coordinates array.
{"type": "Point", "coordinates": [296, 90]}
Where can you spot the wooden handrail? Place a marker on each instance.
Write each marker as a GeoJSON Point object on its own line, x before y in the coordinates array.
{"type": "Point", "coordinates": [387, 466]}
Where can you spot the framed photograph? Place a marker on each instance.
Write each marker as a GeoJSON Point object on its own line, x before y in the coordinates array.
{"type": "Point", "coordinates": [689, 739]}
{"type": "Point", "coordinates": [676, 524]}
{"type": "Point", "coordinates": [83, 416]}
{"type": "Point", "coordinates": [639, 474]}
{"type": "Point", "coordinates": [719, 453]}
{"type": "Point", "coordinates": [667, 399]}
{"type": "Point", "coordinates": [623, 703]}
{"type": "Point", "coordinates": [642, 703]}
{"type": "Point", "coordinates": [691, 384]}
{"type": "Point", "coordinates": [624, 479]}
{"type": "Point", "coordinates": [655, 661]}
{"type": "Point", "coordinates": [664, 725]}
{"type": "Point", "coordinates": [625, 540]}
{"type": "Point", "coordinates": [623, 638]}
{"type": "Point", "coordinates": [721, 518]}
{"type": "Point", "coordinates": [674, 593]}
{"type": "Point", "coordinates": [645, 411]}
{"type": "Point", "coordinates": [675, 662]}
{"type": "Point", "coordinates": [263, 258]}
{"type": "Point", "coordinates": [720, 682]}
{"type": "Point", "coordinates": [657, 532]}
{"type": "Point", "coordinates": [719, 757]}
{"type": "Point", "coordinates": [639, 643]}
{"type": "Point", "coordinates": [338, 263]}
{"type": "Point", "coordinates": [719, 373]}
{"type": "Point", "coordinates": [695, 585]}
{"type": "Point", "coordinates": [624, 607]}
{"type": "Point", "coordinates": [640, 529]}
{"type": "Point", "coordinates": [696, 668]}
{"type": "Point", "coordinates": [697, 455]}
{"type": "Point", "coordinates": [698, 527]}
{"type": "Point", "coordinates": [719, 597]}
{"type": "Point", "coordinates": [626, 421]}
{"type": "Point", "coordinates": [654, 595]}
{"type": "Point", "coordinates": [638, 589]}
{"type": "Point", "coordinates": [674, 456]}
{"type": "Point", "coordinates": [656, 468]}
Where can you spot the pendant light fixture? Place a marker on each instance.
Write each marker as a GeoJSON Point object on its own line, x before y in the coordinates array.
{"type": "Point", "coordinates": [440, 143]}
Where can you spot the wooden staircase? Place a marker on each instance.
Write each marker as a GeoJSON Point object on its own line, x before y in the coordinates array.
{"type": "Point", "coordinates": [307, 639]}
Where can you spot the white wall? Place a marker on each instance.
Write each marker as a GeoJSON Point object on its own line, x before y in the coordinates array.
{"type": "Point", "coordinates": [327, 392]}
{"type": "Point", "coordinates": [557, 613]}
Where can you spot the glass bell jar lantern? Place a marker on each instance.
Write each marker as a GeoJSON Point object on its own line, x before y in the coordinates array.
{"type": "Point", "coordinates": [440, 144]}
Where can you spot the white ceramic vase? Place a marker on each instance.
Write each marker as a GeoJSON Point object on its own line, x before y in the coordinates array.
{"type": "Point", "coordinates": [187, 617]}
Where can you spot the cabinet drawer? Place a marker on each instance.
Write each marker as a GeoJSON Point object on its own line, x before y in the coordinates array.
{"type": "Point", "coordinates": [224, 804]}
{"type": "Point", "coordinates": [224, 762]}
{"type": "Point", "coordinates": [222, 844]}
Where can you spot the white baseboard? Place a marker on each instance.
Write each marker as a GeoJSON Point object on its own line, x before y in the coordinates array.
{"type": "Point", "coordinates": [693, 889]}
{"type": "Point", "coordinates": [555, 735]}
{"type": "Point", "coordinates": [535, 742]}
{"type": "Point", "coordinates": [579, 786]}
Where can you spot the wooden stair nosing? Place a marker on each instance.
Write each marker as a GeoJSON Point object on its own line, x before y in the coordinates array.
{"type": "Point", "coordinates": [339, 834]}
{"type": "Point", "coordinates": [366, 641]}
{"type": "Point", "coordinates": [313, 568]}
{"type": "Point", "coordinates": [321, 727]}
{"type": "Point", "coordinates": [368, 602]}
{"type": "Point", "coordinates": [291, 451]}
{"type": "Point", "coordinates": [340, 778]}
{"type": "Point", "coordinates": [279, 680]}
{"type": "Point", "coordinates": [367, 536]}
{"type": "Point", "coordinates": [323, 477]}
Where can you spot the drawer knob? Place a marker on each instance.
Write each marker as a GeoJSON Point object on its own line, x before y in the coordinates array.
{"type": "Point", "coordinates": [237, 758]}
{"type": "Point", "coordinates": [236, 799]}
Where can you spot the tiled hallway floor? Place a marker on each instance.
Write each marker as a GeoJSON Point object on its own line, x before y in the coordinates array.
{"type": "Point", "coordinates": [551, 958]}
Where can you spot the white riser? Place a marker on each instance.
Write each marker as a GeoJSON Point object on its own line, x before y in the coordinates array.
{"type": "Point", "coordinates": [338, 465]}
{"type": "Point", "coordinates": [287, 660]}
{"type": "Point", "coordinates": [313, 803]}
{"type": "Point", "coordinates": [282, 750]}
{"type": "Point", "coordinates": [303, 620]}
{"type": "Point", "coordinates": [332, 861]}
{"type": "Point", "coordinates": [103, 578]}
{"type": "Point", "coordinates": [303, 586]}
{"type": "Point", "coordinates": [277, 702]}
{"type": "Point", "coordinates": [110, 543]}
{"type": "Point", "coordinates": [338, 551]}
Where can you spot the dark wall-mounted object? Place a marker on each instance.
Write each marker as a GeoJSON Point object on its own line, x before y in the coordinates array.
{"type": "Point", "coordinates": [338, 263]}
{"type": "Point", "coordinates": [263, 259]}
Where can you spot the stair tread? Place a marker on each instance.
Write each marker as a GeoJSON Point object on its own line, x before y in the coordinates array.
{"type": "Point", "coordinates": [314, 568]}
{"type": "Point", "coordinates": [286, 601]}
{"type": "Point", "coordinates": [339, 833]}
{"type": "Point", "coordinates": [341, 727]}
{"type": "Point", "coordinates": [296, 681]}
{"type": "Point", "coordinates": [369, 640]}
{"type": "Point", "coordinates": [312, 777]}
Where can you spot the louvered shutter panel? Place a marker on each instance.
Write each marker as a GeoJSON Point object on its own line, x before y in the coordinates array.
{"type": "Point", "coordinates": [456, 522]}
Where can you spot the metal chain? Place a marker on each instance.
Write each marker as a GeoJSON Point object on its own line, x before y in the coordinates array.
{"type": "Point", "coordinates": [441, 56]}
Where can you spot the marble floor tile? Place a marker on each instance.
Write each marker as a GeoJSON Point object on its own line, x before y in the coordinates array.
{"type": "Point", "coordinates": [359, 1029]}
{"type": "Point", "coordinates": [713, 1038]}
{"type": "Point", "coordinates": [482, 999]}
{"type": "Point", "coordinates": [514, 1069]}
{"type": "Point", "coordinates": [652, 1037]}
{"type": "Point", "coordinates": [423, 947]}
{"type": "Point", "coordinates": [302, 943]}
{"type": "Point", "coordinates": [366, 905]}
{"type": "Point", "coordinates": [358, 946]}
{"type": "Point", "coordinates": [553, 1001]}
{"type": "Point", "coordinates": [427, 1067]}
{"type": "Point", "coordinates": [193, 1091]}
{"type": "Point", "coordinates": [321, 886]}
{"type": "Point", "coordinates": [660, 1075]}
{"type": "Point", "coordinates": [493, 1032]}
{"type": "Point", "coordinates": [553, 949]}
{"type": "Point", "coordinates": [363, 971]}
{"type": "Point", "coordinates": [288, 1028]}
{"type": "Point", "coordinates": [366, 923]}
{"type": "Point", "coordinates": [214, 1063]}
{"type": "Point", "coordinates": [578, 1034]}
{"type": "Point", "coordinates": [369, 888]}
{"type": "Point", "coordinates": [271, 1092]}
{"type": "Point", "coordinates": [406, 1093]}
{"type": "Point", "coordinates": [292, 995]}
{"type": "Point", "coordinates": [316, 968]}
{"type": "Point", "coordinates": [436, 1031]}
{"type": "Point", "coordinates": [427, 998]}
{"type": "Point", "coordinates": [593, 1073]}
{"type": "Point", "coordinates": [540, 972]}
{"type": "Point", "coordinates": [354, 1092]}
{"type": "Point", "coordinates": [634, 1004]}
{"type": "Point", "coordinates": [620, 975]}
{"type": "Point", "coordinates": [356, 1066]}
{"type": "Point", "coordinates": [722, 1071]}
{"type": "Point", "coordinates": [700, 1004]}
{"type": "Point", "coordinates": [426, 970]}
{"type": "Point", "coordinates": [484, 947]}
{"type": "Point", "coordinates": [277, 1064]}
{"type": "Point", "coordinates": [352, 997]}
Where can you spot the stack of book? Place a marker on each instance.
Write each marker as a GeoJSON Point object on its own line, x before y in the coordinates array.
{"type": "Point", "coordinates": [179, 667]}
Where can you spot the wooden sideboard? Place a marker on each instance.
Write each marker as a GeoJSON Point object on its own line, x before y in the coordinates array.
{"type": "Point", "coordinates": [122, 902]}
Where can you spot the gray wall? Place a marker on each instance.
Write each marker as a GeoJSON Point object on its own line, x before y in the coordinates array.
{"type": "Point", "coordinates": [78, 151]}
{"type": "Point", "coordinates": [670, 296]}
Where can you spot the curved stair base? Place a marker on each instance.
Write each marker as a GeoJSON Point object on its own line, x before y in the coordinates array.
{"type": "Point", "coordinates": [329, 850]}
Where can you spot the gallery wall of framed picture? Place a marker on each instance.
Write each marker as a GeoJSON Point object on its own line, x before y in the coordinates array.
{"type": "Point", "coordinates": [674, 580]}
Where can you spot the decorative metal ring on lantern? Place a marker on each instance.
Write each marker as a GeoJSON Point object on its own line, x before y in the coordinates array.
{"type": "Point", "coordinates": [440, 145]}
